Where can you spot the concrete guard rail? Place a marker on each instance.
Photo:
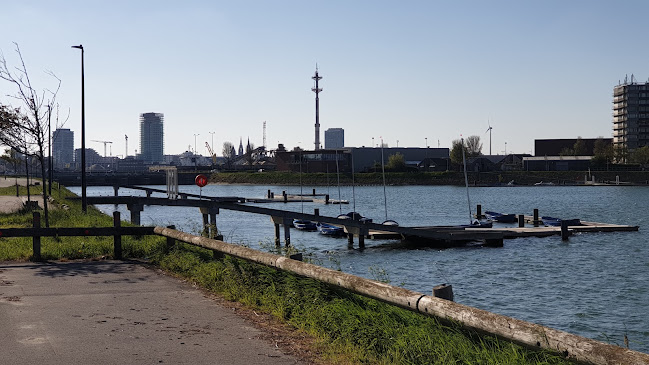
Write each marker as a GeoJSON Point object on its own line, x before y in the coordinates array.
{"type": "Point", "coordinates": [535, 336]}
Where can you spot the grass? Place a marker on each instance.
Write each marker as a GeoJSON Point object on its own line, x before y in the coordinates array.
{"type": "Point", "coordinates": [348, 328]}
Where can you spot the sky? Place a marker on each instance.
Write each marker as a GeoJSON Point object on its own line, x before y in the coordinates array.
{"type": "Point", "coordinates": [409, 72]}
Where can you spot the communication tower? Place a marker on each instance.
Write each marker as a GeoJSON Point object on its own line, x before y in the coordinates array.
{"type": "Point", "coordinates": [317, 91]}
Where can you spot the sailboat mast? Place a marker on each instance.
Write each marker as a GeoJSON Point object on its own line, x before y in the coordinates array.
{"type": "Point", "coordinates": [466, 182]}
{"type": "Point", "coordinates": [340, 205]}
{"type": "Point", "coordinates": [385, 196]}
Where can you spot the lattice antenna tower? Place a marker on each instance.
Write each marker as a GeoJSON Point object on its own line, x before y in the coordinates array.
{"type": "Point", "coordinates": [264, 142]}
{"type": "Point", "coordinates": [317, 91]}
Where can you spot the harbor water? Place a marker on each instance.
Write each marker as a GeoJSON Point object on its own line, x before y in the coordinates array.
{"type": "Point", "coordinates": [595, 284]}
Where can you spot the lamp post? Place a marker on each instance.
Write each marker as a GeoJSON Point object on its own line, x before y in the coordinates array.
{"type": "Point", "coordinates": [49, 147]}
{"type": "Point", "coordinates": [84, 200]}
{"type": "Point", "coordinates": [426, 138]}
{"type": "Point", "coordinates": [195, 135]}
{"type": "Point", "coordinates": [212, 133]}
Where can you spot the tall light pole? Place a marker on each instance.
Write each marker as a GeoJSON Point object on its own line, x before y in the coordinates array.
{"type": "Point", "coordinates": [212, 133]}
{"type": "Point", "coordinates": [426, 138]}
{"type": "Point", "coordinates": [84, 200]}
{"type": "Point", "coordinates": [195, 135]}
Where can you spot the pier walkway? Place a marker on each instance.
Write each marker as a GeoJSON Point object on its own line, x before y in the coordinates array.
{"type": "Point", "coordinates": [116, 312]}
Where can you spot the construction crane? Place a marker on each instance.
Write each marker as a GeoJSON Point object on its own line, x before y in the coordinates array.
{"type": "Point", "coordinates": [209, 149]}
{"type": "Point", "coordinates": [105, 143]}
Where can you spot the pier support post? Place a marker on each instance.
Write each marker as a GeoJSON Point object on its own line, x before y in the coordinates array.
{"type": "Point", "coordinates": [564, 231]}
{"type": "Point", "coordinates": [214, 232]}
{"type": "Point", "coordinates": [350, 241]}
{"type": "Point", "coordinates": [536, 217]}
{"type": "Point", "coordinates": [276, 234]}
{"type": "Point", "coordinates": [327, 199]}
{"type": "Point", "coordinates": [521, 221]}
{"type": "Point", "coordinates": [206, 224]}
{"type": "Point", "coordinates": [36, 240]}
{"type": "Point", "coordinates": [148, 193]}
{"type": "Point", "coordinates": [115, 190]}
{"type": "Point", "coordinates": [443, 291]}
{"type": "Point", "coordinates": [361, 237]}
{"type": "Point", "coordinates": [287, 232]}
{"type": "Point", "coordinates": [135, 210]}
{"type": "Point", "coordinates": [117, 238]}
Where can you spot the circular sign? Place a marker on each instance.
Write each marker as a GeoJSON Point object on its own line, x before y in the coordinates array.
{"type": "Point", "coordinates": [200, 180]}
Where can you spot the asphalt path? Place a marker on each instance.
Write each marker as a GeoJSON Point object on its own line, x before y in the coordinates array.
{"type": "Point", "coordinates": [117, 312]}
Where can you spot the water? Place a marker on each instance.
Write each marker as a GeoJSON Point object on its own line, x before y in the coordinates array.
{"type": "Point", "coordinates": [594, 285]}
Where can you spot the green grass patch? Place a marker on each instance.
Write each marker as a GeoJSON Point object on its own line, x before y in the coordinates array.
{"type": "Point", "coordinates": [350, 327]}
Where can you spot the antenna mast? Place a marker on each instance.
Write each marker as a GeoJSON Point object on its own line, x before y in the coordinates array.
{"type": "Point", "coordinates": [317, 91]}
{"type": "Point", "coordinates": [264, 143]}
{"type": "Point", "coordinates": [126, 139]}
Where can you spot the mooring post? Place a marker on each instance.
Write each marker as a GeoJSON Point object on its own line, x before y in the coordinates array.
{"type": "Point", "coordinates": [478, 211]}
{"type": "Point", "coordinates": [327, 199]}
{"type": "Point", "coordinates": [287, 232]}
{"type": "Point", "coordinates": [443, 291]}
{"type": "Point", "coordinates": [272, 195]}
{"type": "Point", "coordinates": [521, 221]}
{"type": "Point", "coordinates": [135, 210]}
{"type": "Point", "coordinates": [115, 189]}
{"type": "Point", "coordinates": [170, 241]}
{"type": "Point", "coordinates": [148, 193]}
{"type": "Point", "coordinates": [314, 192]}
{"type": "Point", "coordinates": [36, 240]}
{"type": "Point", "coordinates": [536, 217]}
{"type": "Point", "coordinates": [285, 196]}
{"type": "Point", "coordinates": [316, 212]}
{"type": "Point", "coordinates": [117, 238]}
{"type": "Point", "coordinates": [564, 231]}
{"type": "Point", "coordinates": [268, 194]}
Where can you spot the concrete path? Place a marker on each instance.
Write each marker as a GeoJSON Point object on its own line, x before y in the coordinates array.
{"type": "Point", "coordinates": [11, 203]}
{"type": "Point", "coordinates": [115, 312]}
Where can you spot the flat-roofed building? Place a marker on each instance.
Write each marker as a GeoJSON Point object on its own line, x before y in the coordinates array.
{"type": "Point", "coordinates": [631, 116]}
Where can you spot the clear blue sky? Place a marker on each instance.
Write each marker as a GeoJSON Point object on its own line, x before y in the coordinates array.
{"type": "Point", "coordinates": [406, 70]}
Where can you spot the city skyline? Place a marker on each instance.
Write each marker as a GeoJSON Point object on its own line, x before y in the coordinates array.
{"type": "Point", "coordinates": [419, 72]}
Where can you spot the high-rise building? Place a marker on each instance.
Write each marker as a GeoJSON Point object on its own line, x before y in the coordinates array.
{"type": "Point", "coordinates": [631, 116]}
{"type": "Point", "coordinates": [63, 149]}
{"type": "Point", "coordinates": [334, 138]}
{"type": "Point", "coordinates": [152, 137]}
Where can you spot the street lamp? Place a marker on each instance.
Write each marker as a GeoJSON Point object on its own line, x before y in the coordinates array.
{"type": "Point", "coordinates": [426, 138]}
{"type": "Point", "coordinates": [195, 135]}
{"type": "Point", "coordinates": [84, 200]}
{"type": "Point", "coordinates": [212, 133]}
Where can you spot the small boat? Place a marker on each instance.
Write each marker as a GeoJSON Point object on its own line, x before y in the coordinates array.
{"type": "Point", "coordinates": [499, 217]}
{"type": "Point", "coordinates": [304, 225]}
{"type": "Point", "coordinates": [355, 216]}
{"type": "Point", "coordinates": [551, 221]}
{"type": "Point", "coordinates": [542, 183]}
{"type": "Point", "coordinates": [478, 224]}
{"type": "Point", "coordinates": [330, 230]}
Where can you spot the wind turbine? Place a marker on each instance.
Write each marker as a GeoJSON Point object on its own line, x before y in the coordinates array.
{"type": "Point", "coordinates": [489, 130]}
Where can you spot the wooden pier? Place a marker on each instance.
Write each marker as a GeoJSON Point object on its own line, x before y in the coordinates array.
{"type": "Point", "coordinates": [434, 236]}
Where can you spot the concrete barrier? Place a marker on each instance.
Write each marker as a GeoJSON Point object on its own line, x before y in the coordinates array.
{"type": "Point", "coordinates": [528, 334]}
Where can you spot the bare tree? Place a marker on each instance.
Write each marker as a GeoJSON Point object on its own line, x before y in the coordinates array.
{"type": "Point", "coordinates": [34, 125]}
{"type": "Point", "coordinates": [228, 154]}
{"type": "Point", "coordinates": [473, 146]}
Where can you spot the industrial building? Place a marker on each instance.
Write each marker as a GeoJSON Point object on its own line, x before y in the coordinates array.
{"type": "Point", "coordinates": [151, 137]}
{"type": "Point", "coordinates": [630, 115]}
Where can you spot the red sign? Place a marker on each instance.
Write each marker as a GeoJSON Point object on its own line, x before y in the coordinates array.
{"type": "Point", "coordinates": [200, 180]}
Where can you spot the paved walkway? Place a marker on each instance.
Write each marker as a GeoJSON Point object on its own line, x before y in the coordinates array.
{"type": "Point", "coordinates": [115, 312]}
{"type": "Point", "coordinates": [12, 203]}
